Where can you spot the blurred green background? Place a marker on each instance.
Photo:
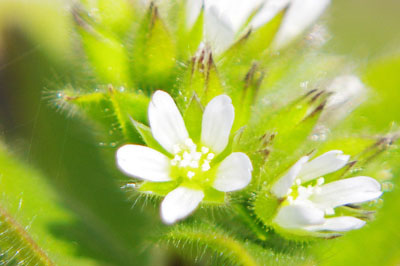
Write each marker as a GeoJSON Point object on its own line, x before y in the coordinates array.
{"type": "Point", "coordinates": [50, 158]}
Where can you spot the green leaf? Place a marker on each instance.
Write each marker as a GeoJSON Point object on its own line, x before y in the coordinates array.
{"type": "Point", "coordinates": [28, 206]}
{"type": "Point", "coordinates": [225, 248]}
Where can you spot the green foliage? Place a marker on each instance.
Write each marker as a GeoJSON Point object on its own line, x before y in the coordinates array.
{"type": "Point", "coordinates": [29, 207]}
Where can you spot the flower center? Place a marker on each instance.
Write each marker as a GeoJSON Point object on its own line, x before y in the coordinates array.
{"type": "Point", "coordinates": [190, 160]}
{"type": "Point", "coordinates": [301, 194]}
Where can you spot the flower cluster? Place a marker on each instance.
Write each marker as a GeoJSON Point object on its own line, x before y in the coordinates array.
{"type": "Point", "coordinates": [195, 166]}
{"type": "Point", "coordinates": [192, 166]}
{"type": "Point", "coordinates": [224, 19]}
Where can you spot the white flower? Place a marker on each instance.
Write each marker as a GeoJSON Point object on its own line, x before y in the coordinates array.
{"type": "Point", "coordinates": [189, 164]}
{"type": "Point", "coordinates": [305, 206]}
{"type": "Point", "coordinates": [224, 19]}
{"type": "Point", "coordinates": [348, 92]}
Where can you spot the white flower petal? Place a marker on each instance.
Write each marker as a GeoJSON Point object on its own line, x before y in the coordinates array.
{"type": "Point", "coordinates": [166, 122]}
{"type": "Point", "coordinates": [180, 203]}
{"type": "Point", "coordinates": [144, 163]}
{"type": "Point", "coordinates": [328, 162]}
{"type": "Point", "coordinates": [299, 216]}
{"type": "Point", "coordinates": [348, 92]}
{"type": "Point", "coordinates": [350, 190]}
{"type": "Point", "coordinates": [233, 173]}
{"type": "Point", "coordinates": [268, 12]}
{"type": "Point", "coordinates": [218, 30]}
{"type": "Point", "coordinates": [338, 224]}
{"type": "Point", "coordinates": [217, 123]}
{"type": "Point", "coordinates": [193, 9]}
{"type": "Point", "coordinates": [236, 12]}
{"type": "Point", "coordinates": [300, 15]}
{"type": "Point", "coordinates": [282, 186]}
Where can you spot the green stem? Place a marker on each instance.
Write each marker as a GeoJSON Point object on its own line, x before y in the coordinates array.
{"type": "Point", "coordinates": [215, 240]}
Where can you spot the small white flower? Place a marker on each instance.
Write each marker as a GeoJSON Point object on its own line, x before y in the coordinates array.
{"type": "Point", "coordinates": [305, 205]}
{"type": "Point", "coordinates": [224, 19]}
{"type": "Point", "coordinates": [348, 92]}
{"type": "Point", "coordinates": [189, 164]}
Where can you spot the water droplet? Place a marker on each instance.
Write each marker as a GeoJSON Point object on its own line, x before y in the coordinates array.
{"type": "Point", "coordinates": [113, 144]}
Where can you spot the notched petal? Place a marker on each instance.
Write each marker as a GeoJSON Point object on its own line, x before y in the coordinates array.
{"type": "Point", "coordinates": [217, 123]}
{"type": "Point", "coordinates": [144, 163]}
{"type": "Point", "coordinates": [327, 163]}
{"type": "Point", "coordinates": [346, 191]}
{"type": "Point", "coordinates": [166, 122]}
{"type": "Point", "coordinates": [299, 216]}
{"type": "Point", "coordinates": [338, 224]}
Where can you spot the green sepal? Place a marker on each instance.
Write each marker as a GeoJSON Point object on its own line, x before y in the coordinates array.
{"type": "Point", "coordinates": [107, 56]}
{"type": "Point", "coordinates": [147, 136]}
{"type": "Point", "coordinates": [129, 106]}
{"type": "Point", "coordinates": [202, 77]}
{"type": "Point", "coordinates": [159, 188]}
{"type": "Point", "coordinates": [240, 61]}
{"type": "Point", "coordinates": [110, 109]}
{"type": "Point", "coordinates": [213, 196]}
{"type": "Point", "coordinates": [254, 43]}
{"type": "Point", "coordinates": [265, 206]}
{"type": "Point", "coordinates": [116, 16]}
{"type": "Point", "coordinates": [193, 117]}
{"type": "Point", "coordinates": [154, 52]}
{"type": "Point", "coordinates": [188, 40]}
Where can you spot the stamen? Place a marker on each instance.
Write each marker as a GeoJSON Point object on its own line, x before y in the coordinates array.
{"type": "Point", "coordinates": [320, 181]}
{"type": "Point", "coordinates": [298, 181]}
{"type": "Point", "coordinates": [184, 163]}
{"type": "Point", "coordinates": [204, 150]}
{"type": "Point", "coordinates": [194, 164]}
{"type": "Point", "coordinates": [210, 156]}
{"type": "Point", "coordinates": [205, 166]}
{"type": "Point", "coordinates": [196, 155]}
{"type": "Point", "coordinates": [186, 156]}
{"type": "Point", "coordinates": [190, 174]}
